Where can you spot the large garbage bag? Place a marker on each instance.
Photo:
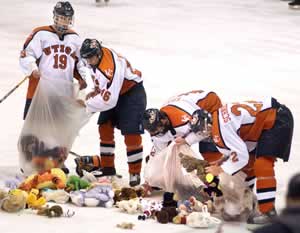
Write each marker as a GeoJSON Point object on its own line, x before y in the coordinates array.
{"type": "Point", "coordinates": [238, 201]}
{"type": "Point", "coordinates": [165, 170]}
{"type": "Point", "coordinates": [51, 126]}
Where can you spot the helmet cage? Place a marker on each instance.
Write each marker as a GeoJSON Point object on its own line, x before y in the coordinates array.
{"type": "Point", "coordinates": [62, 23]}
{"type": "Point", "coordinates": [200, 123]}
{"type": "Point", "coordinates": [153, 122]}
{"type": "Point", "coordinates": [63, 16]}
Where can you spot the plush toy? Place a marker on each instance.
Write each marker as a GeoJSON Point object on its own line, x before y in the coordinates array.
{"type": "Point", "coordinates": [196, 205]}
{"type": "Point", "coordinates": [101, 195]}
{"type": "Point", "coordinates": [213, 188]}
{"type": "Point", "coordinates": [75, 183]}
{"type": "Point", "coordinates": [237, 201]}
{"type": "Point", "coordinates": [39, 155]}
{"type": "Point", "coordinates": [34, 201]}
{"type": "Point", "coordinates": [3, 194]}
{"type": "Point", "coordinates": [59, 196]}
{"type": "Point", "coordinates": [201, 219]}
{"type": "Point", "coordinates": [168, 200]}
{"type": "Point", "coordinates": [13, 183]}
{"type": "Point", "coordinates": [131, 206]}
{"type": "Point", "coordinates": [149, 209]}
{"type": "Point", "coordinates": [125, 225]}
{"type": "Point", "coordinates": [53, 211]}
{"type": "Point", "coordinates": [89, 177]}
{"type": "Point", "coordinates": [127, 194]}
{"type": "Point", "coordinates": [191, 164]}
{"type": "Point", "coordinates": [14, 201]}
{"type": "Point", "coordinates": [185, 205]}
{"type": "Point", "coordinates": [166, 214]}
{"type": "Point", "coordinates": [54, 179]}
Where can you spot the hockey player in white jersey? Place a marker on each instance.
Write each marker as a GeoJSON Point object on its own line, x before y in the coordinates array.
{"type": "Point", "coordinates": [252, 135]}
{"type": "Point", "coordinates": [120, 96]}
{"type": "Point", "coordinates": [53, 52]}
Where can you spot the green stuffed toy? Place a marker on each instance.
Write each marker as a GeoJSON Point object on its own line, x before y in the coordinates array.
{"type": "Point", "coordinates": [75, 183]}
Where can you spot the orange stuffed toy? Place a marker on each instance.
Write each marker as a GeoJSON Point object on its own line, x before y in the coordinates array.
{"type": "Point", "coordinates": [53, 179]}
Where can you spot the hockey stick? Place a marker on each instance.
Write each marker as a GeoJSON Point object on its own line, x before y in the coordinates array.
{"type": "Point", "coordinates": [78, 156]}
{"type": "Point", "coordinates": [12, 90]}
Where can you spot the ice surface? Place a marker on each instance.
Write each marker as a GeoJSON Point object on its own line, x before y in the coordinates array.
{"type": "Point", "coordinates": [239, 49]}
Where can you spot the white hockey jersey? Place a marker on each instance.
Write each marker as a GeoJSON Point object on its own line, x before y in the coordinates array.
{"type": "Point", "coordinates": [113, 77]}
{"type": "Point", "coordinates": [54, 57]}
{"type": "Point", "coordinates": [179, 110]}
{"type": "Point", "coordinates": [237, 128]}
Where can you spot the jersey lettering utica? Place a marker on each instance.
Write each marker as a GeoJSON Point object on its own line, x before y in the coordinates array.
{"type": "Point", "coordinates": [179, 110]}
{"type": "Point", "coordinates": [113, 77]}
{"type": "Point", "coordinates": [52, 56]}
{"type": "Point", "coordinates": [237, 128]}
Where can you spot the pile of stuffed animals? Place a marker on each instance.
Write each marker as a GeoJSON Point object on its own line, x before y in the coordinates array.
{"type": "Point", "coordinates": [221, 196]}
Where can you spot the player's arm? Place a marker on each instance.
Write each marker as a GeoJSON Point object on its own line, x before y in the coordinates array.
{"type": "Point", "coordinates": [237, 152]}
{"type": "Point", "coordinates": [32, 50]}
{"type": "Point", "coordinates": [106, 98]}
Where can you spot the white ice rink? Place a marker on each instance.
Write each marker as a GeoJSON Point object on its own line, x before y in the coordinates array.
{"type": "Point", "coordinates": [239, 49]}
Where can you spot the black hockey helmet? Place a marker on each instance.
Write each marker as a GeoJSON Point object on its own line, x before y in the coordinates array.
{"type": "Point", "coordinates": [63, 13]}
{"type": "Point", "coordinates": [200, 121]}
{"type": "Point", "coordinates": [153, 121]}
{"type": "Point", "coordinates": [90, 48]}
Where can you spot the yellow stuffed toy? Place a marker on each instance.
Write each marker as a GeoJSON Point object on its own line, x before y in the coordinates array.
{"type": "Point", "coordinates": [53, 179]}
{"type": "Point", "coordinates": [34, 201]}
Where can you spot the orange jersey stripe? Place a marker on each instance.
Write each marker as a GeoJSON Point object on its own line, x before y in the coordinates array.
{"type": "Point", "coordinates": [35, 31]}
{"type": "Point", "coordinates": [211, 102]}
{"type": "Point", "coordinates": [177, 116]}
{"type": "Point", "coordinates": [107, 64]}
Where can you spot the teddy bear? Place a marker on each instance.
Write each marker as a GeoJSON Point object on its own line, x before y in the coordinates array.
{"type": "Point", "coordinates": [100, 195]}
{"type": "Point", "coordinates": [13, 201]}
{"type": "Point", "coordinates": [166, 215]}
{"type": "Point", "coordinates": [127, 194]}
{"type": "Point", "coordinates": [191, 164]}
{"type": "Point", "coordinates": [131, 206]}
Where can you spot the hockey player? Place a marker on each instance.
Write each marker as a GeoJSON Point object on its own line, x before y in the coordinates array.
{"type": "Point", "coordinates": [170, 123]}
{"type": "Point", "coordinates": [53, 51]}
{"type": "Point", "coordinates": [263, 129]}
{"type": "Point", "coordinates": [120, 96]}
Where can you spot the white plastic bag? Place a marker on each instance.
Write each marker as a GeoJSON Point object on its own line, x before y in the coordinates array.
{"type": "Point", "coordinates": [164, 170]}
{"type": "Point", "coordinates": [51, 126]}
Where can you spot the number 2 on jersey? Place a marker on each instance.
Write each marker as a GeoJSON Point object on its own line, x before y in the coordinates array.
{"type": "Point", "coordinates": [235, 108]}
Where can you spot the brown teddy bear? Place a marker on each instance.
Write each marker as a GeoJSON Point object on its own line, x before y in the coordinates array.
{"type": "Point", "coordinates": [190, 164]}
{"type": "Point", "coordinates": [127, 194]}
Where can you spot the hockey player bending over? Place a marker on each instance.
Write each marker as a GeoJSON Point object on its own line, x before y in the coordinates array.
{"type": "Point", "coordinates": [171, 122]}
{"type": "Point", "coordinates": [120, 96]}
{"type": "Point", "coordinates": [53, 52]}
{"type": "Point", "coordinates": [252, 135]}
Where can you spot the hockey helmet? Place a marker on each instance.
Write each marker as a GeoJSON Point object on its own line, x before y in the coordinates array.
{"type": "Point", "coordinates": [90, 48]}
{"type": "Point", "coordinates": [153, 121]}
{"type": "Point", "coordinates": [201, 119]}
{"type": "Point", "coordinates": [63, 13]}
